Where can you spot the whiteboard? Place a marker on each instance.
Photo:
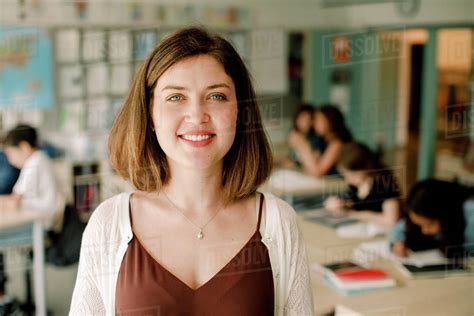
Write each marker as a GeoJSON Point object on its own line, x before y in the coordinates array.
{"type": "Point", "coordinates": [269, 60]}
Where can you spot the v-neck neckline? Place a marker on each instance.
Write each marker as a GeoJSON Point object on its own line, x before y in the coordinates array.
{"type": "Point", "coordinates": [257, 232]}
{"type": "Point", "coordinates": [184, 284]}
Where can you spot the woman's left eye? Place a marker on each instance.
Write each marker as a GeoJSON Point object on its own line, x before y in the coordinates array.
{"type": "Point", "coordinates": [218, 97]}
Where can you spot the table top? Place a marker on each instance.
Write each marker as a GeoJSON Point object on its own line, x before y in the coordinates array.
{"type": "Point", "coordinates": [292, 182]}
{"type": "Point", "coordinates": [10, 218]}
{"type": "Point", "coordinates": [442, 296]}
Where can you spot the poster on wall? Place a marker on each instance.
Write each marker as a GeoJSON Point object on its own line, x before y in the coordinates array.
{"type": "Point", "coordinates": [26, 77]}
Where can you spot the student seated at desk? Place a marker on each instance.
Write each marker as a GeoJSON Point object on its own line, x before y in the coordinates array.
{"type": "Point", "coordinates": [303, 125]}
{"type": "Point", "coordinates": [440, 215]}
{"type": "Point", "coordinates": [35, 188]}
{"type": "Point", "coordinates": [328, 123]}
{"type": "Point", "coordinates": [373, 190]}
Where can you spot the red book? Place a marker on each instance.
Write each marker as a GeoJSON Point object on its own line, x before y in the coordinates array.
{"type": "Point", "coordinates": [360, 274]}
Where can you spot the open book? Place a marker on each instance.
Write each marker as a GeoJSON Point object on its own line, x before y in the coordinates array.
{"type": "Point", "coordinates": [427, 263]}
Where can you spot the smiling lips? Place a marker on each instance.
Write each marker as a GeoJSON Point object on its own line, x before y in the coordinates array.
{"type": "Point", "coordinates": [198, 139]}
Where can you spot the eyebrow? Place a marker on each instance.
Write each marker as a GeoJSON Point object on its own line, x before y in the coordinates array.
{"type": "Point", "coordinates": [214, 86]}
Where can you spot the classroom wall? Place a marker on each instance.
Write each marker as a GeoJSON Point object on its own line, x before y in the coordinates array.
{"type": "Point", "coordinates": [288, 14]}
{"type": "Point", "coordinates": [372, 110]}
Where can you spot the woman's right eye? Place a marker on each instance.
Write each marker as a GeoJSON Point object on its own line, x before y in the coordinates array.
{"type": "Point", "coordinates": [175, 98]}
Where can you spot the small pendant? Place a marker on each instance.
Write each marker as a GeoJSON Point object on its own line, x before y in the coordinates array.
{"type": "Point", "coordinates": [200, 235]}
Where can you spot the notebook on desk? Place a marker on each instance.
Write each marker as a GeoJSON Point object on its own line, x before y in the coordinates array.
{"type": "Point", "coordinates": [437, 270]}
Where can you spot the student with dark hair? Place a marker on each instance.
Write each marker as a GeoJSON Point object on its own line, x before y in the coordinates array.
{"type": "Point", "coordinates": [373, 193]}
{"type": "Point", "coordinates": [440, 214]}
{"type": "Point", "coordinates": [196, 237]}
{"type": "Point", "coordinates": [303, 125]}
{"type": "Point", "coordinates": [22, 133]}
{"type": "Point", "coordinates": [329, 124]}
{"type": "Point", "coordinates": [36, 187]}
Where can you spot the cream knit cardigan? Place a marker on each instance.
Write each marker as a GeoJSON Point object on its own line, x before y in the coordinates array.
{"type": "Point", "coordinates": [108, 233]}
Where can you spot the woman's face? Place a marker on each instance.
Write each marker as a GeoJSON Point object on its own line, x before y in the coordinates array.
{"type": "Point", "coordinates": [303, 122]}
{"type": "Point", "coordinates": [429, 226]}
{"type": "Point", "coordinates": [194, 112]}
{"type": "Point", "coordinates": [320, 124]}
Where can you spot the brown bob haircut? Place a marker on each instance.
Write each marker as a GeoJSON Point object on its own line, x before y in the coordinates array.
{"type": "Point", "coordinates": [133, 147]}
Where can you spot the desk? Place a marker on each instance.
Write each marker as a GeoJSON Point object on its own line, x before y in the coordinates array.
{"type": "Point", "coordinates": [447, 296]}
{"type": "Point", "coordinates": [11, 219]}
{"type": "Point", "coordinates": [289, 184]}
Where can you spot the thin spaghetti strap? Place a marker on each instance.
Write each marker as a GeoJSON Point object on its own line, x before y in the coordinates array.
{"type": "Point", "coordinates": [130, 210]}
{"type": "Point", "coordinates": [260, 210]}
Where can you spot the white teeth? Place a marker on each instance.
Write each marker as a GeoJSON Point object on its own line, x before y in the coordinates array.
{"type": "Point", "coordinates": [196, 138]}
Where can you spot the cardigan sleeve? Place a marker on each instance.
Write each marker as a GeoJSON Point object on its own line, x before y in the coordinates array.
{"type": "Point", "coordinates": [300, 294]}
{"type": "Point", "coordinates": [86, 298]}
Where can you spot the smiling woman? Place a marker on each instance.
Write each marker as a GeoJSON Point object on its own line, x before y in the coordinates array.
{"type": "Point", "coordinates": [195, 237]}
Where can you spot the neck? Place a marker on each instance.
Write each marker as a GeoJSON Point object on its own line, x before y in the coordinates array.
{"type": "Point", "coordinates": [195, 190]}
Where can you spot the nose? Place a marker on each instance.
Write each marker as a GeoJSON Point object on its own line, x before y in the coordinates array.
{"type": "Point", "coordinates": [197, 112]}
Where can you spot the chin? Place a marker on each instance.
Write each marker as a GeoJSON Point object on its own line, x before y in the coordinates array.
{"type": "Point", "coordinates": [198, 163]}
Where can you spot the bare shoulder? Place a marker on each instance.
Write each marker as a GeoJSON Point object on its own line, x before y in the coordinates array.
{"type": "Point", "coordinates": [247, 206]}
{"type": "Point", "coordinates": [143, 202]}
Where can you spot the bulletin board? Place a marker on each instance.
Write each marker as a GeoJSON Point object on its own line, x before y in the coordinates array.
{"type": "Point", "coordinates": [26, 72]}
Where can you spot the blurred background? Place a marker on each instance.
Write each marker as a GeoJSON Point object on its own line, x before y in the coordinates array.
{"type": "Point", "coordinates": [401, 72]}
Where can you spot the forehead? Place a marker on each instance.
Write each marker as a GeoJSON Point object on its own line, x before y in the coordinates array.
{"type": "Point", "coordinates": [195, 71]}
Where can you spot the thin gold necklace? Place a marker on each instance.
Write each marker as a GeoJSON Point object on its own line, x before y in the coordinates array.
{"type": "Point", "coordinates": [200, 235]}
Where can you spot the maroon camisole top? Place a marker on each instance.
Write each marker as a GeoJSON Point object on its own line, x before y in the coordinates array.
{"type": "Point", "coordinates": [244, 286]}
